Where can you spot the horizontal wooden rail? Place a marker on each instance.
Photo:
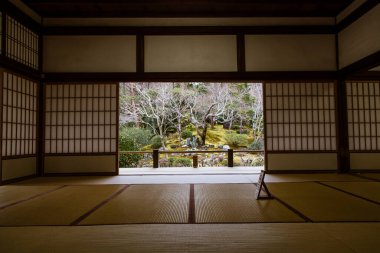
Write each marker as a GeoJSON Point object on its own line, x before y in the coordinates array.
{"type": "Point", "coordinates": [156, 154]}
{"type": "Point", "coordinates": [192, 152]}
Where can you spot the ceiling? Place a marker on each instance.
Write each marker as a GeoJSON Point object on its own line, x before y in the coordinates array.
{"type": "Point", "coordinates": [188, 8]}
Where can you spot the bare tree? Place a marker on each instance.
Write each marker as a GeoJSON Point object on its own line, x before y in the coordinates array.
{"type": "Point", "coordinates": [257, 109]}
{"type": "Point", "coordinates": [180, 104]}
{"type": "Point", "coordinates": [208, 102]}
{"type": "Point", "coordinates": [153, 107]}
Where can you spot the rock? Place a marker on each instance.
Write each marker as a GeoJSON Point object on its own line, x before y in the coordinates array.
{"type": "Point", "coordinates": [220, 146]}
{"type": "Point", "coordinates": [184, 146]}
{"type": "Point", "coordinates": [226, 147]}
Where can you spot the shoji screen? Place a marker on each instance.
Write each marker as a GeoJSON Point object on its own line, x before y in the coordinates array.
{"type": "Point", "coordinates": [363, 113]}
{"type": "Point", "coordinates": [19, 126]}
{"type": "Point", "coordinates": [300, 125]}
{"type": "Point", "coordinates": [81, 123]}
{"type": "Point", "coordinates": [21, 43]}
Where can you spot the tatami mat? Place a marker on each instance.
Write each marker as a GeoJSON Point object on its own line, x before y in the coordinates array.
{"type": "Point", "coordinates": [321, 203]}
{"type": "Point", "coordinates": [203, 238]}
{"type": "Point", "coordinates": [369, 190]}
{"type": "Point", "coordinates": [60, 207]}
{"type": "Point", "coordinates": [11, 194]}
{"type": "Point", "coordinates": [375, 176]}
{"type": "Point", "coordinates": [237, 203]}
{"type": "Point", "coordinates": [145, 204]}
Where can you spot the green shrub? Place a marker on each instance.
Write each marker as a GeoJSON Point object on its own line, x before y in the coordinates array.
{"type": "Point", "coordinates": [156, 142]}
{"type": "Point", "coordinates": [132, 139]}
{"type": "Point", "coordinates": [258, 161]}
{"type": "Point", "coordinates": [190, 127]}
{"type": "Point", "coordinates": [129, 160]}
{"type": "Point", "coordinates": [235, 127]}
{"type": "Point", "coordinates": [243, 131]}
{"type": "Point", "coordinates": [236, 140]}
{"type": "Point", "coordinates": [257, 144]}
{"type": "Point", "coordinates": [186, 134]}
{"type": "Point", "coordinates": [180, 162]}
{"type": "Point", "coordinates": [138, 136]}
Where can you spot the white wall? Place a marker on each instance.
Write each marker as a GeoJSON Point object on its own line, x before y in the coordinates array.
{"type": "Point", "coordinates": [365, 161]}
{"type": "Point", "coordinates": [206, 53]}
{"type": "Point", "coordinates": [291, 161]}
{"type": "Point", "coordinates": [290, 52]}
{"type": "Point", "coordinates": [89, 53]}
{"type": "Point", "coordinates": [80, 164]}
{"type": "Point", "coordinates": [20, 167]}
{"type": "Point", "coordinates": [360, 39]}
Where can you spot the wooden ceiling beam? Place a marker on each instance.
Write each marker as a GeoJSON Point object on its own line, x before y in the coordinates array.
{"type": "Point", "coordinates": [188, 8]}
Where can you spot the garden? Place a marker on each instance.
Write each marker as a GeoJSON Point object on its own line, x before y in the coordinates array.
{"type": "Point", "coordinates": [190, 116]}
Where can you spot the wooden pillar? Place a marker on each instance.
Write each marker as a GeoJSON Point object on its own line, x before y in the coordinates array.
{"type": "Point", "coordinates": [155, 158]}
{"type": "Point", "coordinates": [342, 127]}
{"type": "Point", "coordinates": [230, 158]}
{"type": "Point", "coordinates": [195, 161]}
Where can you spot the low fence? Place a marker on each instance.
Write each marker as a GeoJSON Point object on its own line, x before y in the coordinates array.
{"type": "Point", "coordinates": [197, 156]}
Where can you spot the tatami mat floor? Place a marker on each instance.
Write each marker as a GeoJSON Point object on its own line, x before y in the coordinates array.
{"type": "Point", "coordinates": [303, 207]}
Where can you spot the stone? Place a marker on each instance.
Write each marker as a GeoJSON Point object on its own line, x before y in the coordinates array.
{"type": "Point", "coordinates": [226, 147]}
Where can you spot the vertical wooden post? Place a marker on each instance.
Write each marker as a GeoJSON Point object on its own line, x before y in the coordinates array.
{"type": "Point", "coordinates": [195, 161]}
{"type": "Point", "coordinates": [230, 158]}
{"type": "Point", "coordinates": [3, 33]}
{"type": "Point", "coordinates": [155, 158]}
{"type": "Point", "coordinates": [342, 127]}
{"type": "Point", "coordinates": [240, 46]}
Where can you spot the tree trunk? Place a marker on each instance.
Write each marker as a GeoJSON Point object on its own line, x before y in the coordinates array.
{"type": "Point", "coordinates": [134, 109]}
{"type": "Point", "coordinates": [162, 137]}
{"type": "Point", "coordinates": [212, 122]}
{"type": "Point", "coordinates": [204, 134]}
{"type": "Point", "coordinates": [241, 125]}
{"type": "Point", "coordinates": [179, 128]}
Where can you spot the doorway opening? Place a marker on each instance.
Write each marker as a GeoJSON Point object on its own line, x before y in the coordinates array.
{"type": "Point", "coordinates": [191, 128]}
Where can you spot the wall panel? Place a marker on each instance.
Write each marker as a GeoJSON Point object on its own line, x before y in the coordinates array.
{"type": "Point", "coordinates": [80, 164]}
{"type": "Point", "coordinates": [18, 168]}
{"type": "Point", "coordinates": [314, 161]}
{"type": "Point", "coordinates": [360, 39]}
{"type": "Point", "coordinates": [290, 52]}
{"type": "Point", "coordinates": [206, 53]}
{"type": "Point", "coordinates": [89, 54]}
{"type": "Point", "coordinates": [300, 123]}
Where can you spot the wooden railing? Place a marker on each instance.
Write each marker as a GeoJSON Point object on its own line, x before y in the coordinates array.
{"type": "Point", "coordinates": [156, 154]}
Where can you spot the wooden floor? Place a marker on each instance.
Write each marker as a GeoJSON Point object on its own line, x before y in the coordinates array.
{"type": "Point", "coordinates": [309, 213]}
